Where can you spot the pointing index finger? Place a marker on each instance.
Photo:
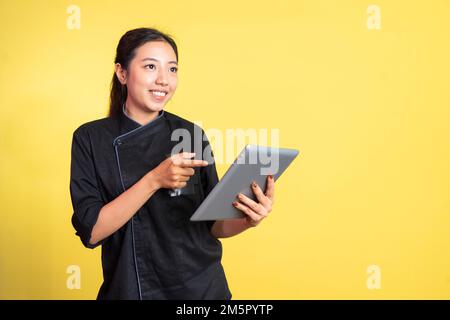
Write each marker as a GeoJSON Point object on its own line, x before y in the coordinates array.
{"type": "Point", "coordinates": [193, 163]}
{"type": "Point", "coordinates": [177, 158]}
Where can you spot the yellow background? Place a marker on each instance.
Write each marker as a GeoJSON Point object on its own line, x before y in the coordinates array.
{"type": "Point", "coordinates": [368, 110]}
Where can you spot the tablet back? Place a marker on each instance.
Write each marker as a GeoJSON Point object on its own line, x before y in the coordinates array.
{"type": "Point", "coordinates": [254, 163]}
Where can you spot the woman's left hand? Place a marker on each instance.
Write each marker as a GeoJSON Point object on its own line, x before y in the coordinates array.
{"type": "Point", "coordinates": [257, 211]}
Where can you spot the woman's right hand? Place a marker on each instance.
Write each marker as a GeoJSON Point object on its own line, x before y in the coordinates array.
{"type": "Point", "coordinates": [175, 171]}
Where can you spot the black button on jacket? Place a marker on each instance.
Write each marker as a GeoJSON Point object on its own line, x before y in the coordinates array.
{"type": "Point", "coordinates": [159, 253]}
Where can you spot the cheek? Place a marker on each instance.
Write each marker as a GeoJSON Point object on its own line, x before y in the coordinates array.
{"type": "Point", "coordinates": [141, 80]}
{"type": "Point", "coordinates": [146, 80]}
{"type": "Point", "coordinates": [173, 85]}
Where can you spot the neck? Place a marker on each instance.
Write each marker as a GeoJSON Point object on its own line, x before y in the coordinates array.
{"type": "Point", "coordinates": [140, 116]}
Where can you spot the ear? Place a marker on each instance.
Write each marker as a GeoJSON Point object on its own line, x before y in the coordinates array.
{"type": "Point", "coordinates": [121, 73]}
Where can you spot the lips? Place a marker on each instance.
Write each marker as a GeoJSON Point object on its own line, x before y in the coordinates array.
{"type": "Point", "coordinates": [159, 90]}
{"type": "Point", "coordinates": [158, 95]}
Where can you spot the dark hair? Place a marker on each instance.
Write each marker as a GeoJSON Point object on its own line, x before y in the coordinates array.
{"type": "Point", "coordinates": [126, 50]}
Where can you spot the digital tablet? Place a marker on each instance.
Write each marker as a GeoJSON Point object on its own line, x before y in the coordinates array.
{"type": "Point", "coordinates": [254, 163]}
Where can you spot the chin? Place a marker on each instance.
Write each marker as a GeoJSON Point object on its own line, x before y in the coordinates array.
{"type": "Point", "coordinates": [154, 107]}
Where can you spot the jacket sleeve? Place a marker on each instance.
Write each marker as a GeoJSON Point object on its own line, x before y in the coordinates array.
{"type": "Point", "coordinates": [208, 174]}
{"type": "Point", "coordinates": [84, 190]}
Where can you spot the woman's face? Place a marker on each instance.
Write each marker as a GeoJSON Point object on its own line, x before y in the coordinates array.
{"type": "Point", "coordinates": [151, 77]}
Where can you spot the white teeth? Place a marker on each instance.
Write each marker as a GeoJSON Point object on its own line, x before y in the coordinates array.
{"type": "Point", "coordinates": [159, 93]}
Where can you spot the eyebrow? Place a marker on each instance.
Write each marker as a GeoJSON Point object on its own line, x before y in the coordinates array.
{"type": "Point", "coordinates": [153, 59]}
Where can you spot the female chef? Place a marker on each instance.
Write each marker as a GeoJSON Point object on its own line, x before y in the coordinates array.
{"type": "Point", "coordinates": [122, 174]}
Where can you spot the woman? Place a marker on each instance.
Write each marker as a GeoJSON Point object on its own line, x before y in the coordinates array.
{"type": "Point", "coordinates": [122, 172]}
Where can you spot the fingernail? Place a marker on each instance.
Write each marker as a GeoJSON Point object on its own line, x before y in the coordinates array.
{"type": "Point", "coordinates": [239, 195]}
{"type": "Point", "coordinates": [254, 184]}
{"type": "Point", "coordinates": [271, 177]}
{"type": "Point", "coordinates": [235, 204]}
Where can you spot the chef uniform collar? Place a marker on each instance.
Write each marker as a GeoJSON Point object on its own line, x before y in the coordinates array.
{"type": "Point", "coordinates": [129, 124]}
{"type": "Point", "coordinates": [129, 127]}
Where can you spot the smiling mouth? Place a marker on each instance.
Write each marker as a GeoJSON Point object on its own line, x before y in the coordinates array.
{"type": "Point", "coordinates": [158, 93]}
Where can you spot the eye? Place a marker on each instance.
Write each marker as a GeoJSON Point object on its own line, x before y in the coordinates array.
{"type": "Point", "coordinates": [151, 65]}
{"type": "Point", "coordinates": [174, 69]}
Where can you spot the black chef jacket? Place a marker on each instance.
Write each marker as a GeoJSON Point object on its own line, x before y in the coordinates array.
{"type": "Point", "coordinates": [159, 253]}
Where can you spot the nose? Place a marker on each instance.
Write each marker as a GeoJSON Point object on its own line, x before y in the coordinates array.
{"type": "Point", "coordinates": [162, 78]}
